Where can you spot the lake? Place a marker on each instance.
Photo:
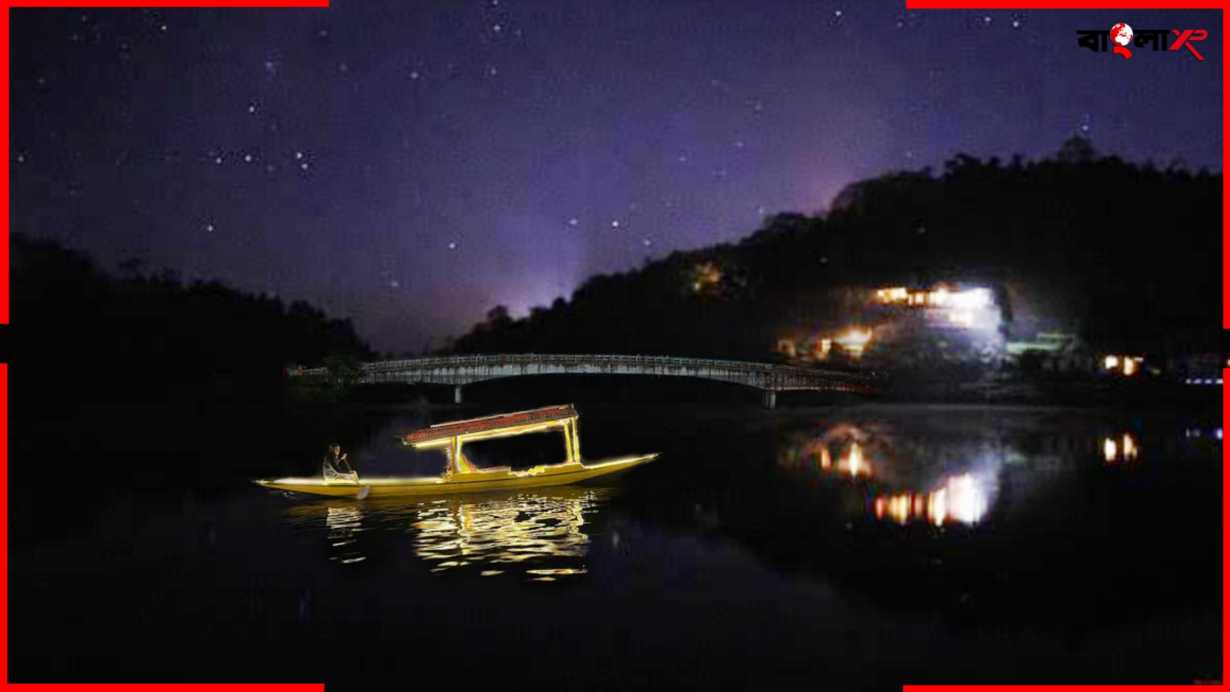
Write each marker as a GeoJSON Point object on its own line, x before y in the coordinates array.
{"type": "Point", "coordinates": [809, 548]}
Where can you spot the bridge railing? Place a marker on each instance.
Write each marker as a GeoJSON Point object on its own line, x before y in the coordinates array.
{"type": "Point", "coordinates": [767, 375]}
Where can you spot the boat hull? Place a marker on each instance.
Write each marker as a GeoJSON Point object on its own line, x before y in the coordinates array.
{"type": "Point", "coordinates": [477, 482]}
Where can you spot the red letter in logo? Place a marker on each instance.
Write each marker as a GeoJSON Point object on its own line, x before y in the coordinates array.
{"type": "Point", "coordinates": [1186, 38]}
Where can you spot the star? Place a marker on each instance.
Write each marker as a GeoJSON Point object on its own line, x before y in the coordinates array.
{"type": "Point", "coordinates": [615, 223]}
{"type": "Point", "coordinates": [298, 155]}
{"type": "Point", "coordinates": [251, 107]}
{"type": "Point", "coordinates": [573, 221]}
{"type": "Point", "coordinates": [247, 158]}
{"type": "Point", "coordinates": [209, 228]}
{"type": "Point", "coordinates": [837, 14]}
{"type": "Point", "coordinates": [646, 242]}
{"type": "Point", "coordinates": [303, 166]}
{"type": "Point", "coordinates": [414, 74]}
{"type": "Point", "coordinates": [452, 245]}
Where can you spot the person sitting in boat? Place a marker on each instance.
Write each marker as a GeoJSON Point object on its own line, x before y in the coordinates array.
{"type": "Point", "coordinates": [336, 466]}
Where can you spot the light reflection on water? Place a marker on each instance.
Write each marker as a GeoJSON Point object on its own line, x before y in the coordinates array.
{"type": "Point", "coordinates": [342, 524]}
{"type": "Point", "coordinates": [963, 499]}
{"type": "Point", "coordinates": [536, 534]}
{"type": "Point", "coordinates": [937, 484]}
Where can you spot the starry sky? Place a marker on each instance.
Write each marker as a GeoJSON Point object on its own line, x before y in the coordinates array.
{"type": "Point", "coordinates": [410, 165]}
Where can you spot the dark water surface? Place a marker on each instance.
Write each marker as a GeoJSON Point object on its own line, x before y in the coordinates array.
{"type": "Point", "coordinates": [846, 548]}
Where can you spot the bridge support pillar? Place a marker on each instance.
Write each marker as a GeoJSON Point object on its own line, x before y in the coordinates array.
{"type": "Point", "coordinates": [770, 399]}
{"type": "Point", "coordinates": [456, 394]}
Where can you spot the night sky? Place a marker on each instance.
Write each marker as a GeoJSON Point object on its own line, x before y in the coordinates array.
{"type": "Point", "coordinates": [411, 165]}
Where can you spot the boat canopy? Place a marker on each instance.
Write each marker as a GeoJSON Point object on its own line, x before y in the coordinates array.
{"type": "Point", "coordinates": [530, 419]}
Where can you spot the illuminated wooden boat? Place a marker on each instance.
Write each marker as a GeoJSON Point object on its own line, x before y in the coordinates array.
{"type": "Point", "coordinates": [461, 476]}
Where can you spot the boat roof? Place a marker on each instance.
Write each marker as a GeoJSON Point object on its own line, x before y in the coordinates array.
{"type": "Point", "coordinates": [441, 431]}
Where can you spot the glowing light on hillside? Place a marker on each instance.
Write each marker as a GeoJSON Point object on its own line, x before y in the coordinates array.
{"type": "Point", "coordinates": [963, 318]}
{"type": "Point", "coordinates": [705, 275]}
{"type": "Point", "coordinates": [973, 299]}
{"type": "Point", "coordinates": [823, 348]}
{"type": "Point", "coordinates": [892, 295]}
{"type": "Point", "coordinates": [969, 309]}
{"type": "Point", "coordinates": [854, 341]}
{"type": "Point", "coordinates": [1125, 365]}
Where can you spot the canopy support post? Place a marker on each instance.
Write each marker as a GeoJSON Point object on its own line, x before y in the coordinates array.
{"type": "Point", "coordinates": [456, 394]}
{"type": "Point", "coordinates": [454, 456]}
{"type": "Point", "coordinates": [576, 441]}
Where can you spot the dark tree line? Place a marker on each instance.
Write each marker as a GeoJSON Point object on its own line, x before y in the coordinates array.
{"type": "Point", "coordinates": [1125, 255]}
{"type": "Point", "coordinates": [81, 334]}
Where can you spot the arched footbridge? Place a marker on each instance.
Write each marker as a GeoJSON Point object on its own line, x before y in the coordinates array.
{"type": "Point", "coordinates": [462, 370]}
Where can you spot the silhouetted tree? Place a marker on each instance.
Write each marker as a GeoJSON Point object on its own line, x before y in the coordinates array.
{"type": "Point", "coordinates": [81, 335]}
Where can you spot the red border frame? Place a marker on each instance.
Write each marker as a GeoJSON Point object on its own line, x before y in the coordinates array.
{"type": "Point", "coordinates": [5, 6]}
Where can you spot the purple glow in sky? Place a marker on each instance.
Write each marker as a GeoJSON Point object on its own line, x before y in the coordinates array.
{"type": "Point", "coordinates": [411, 165]}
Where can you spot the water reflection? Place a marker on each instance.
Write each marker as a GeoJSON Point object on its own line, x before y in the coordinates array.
{"type": "Point", "coordinates": [539, 534]}
{"type": "Point", "coordinates": [962, 498]}
{"type": "Point", "coordinates": [504, 533]}
{"type": "Point", "coordinates": [913, 477]}
{"type": "Point", "coordinates": [1121, 448]}
{"type": "Point", "coordinates": [343, 523]}
{"type": "Point", "coordinates": [844, 442]}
